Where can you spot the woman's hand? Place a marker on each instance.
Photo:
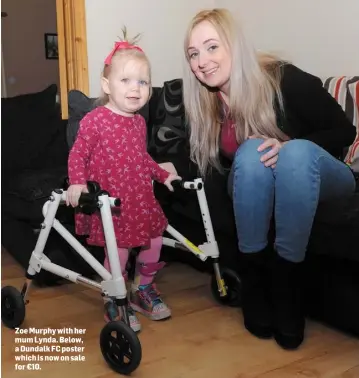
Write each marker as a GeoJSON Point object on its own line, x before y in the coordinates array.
{"type": "Point", "coordinates": [74, 193]}
{"type": "Point", "coordinates": [270, 158]}
{"type": "Point", "coordinates": [170, 178]}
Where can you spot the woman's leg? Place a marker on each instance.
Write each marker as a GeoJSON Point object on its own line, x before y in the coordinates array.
{"type": "Point", "coordinates": [253, 197]}
{"type": "Point", "coordinates": [305, 174]}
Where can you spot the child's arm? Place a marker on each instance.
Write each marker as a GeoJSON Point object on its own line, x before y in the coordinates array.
{"type": "Point", "coordinates": [157, 173]}
{"type": "Point", "coordinates": [86, 140]}
{"type": "Point", "coordinates": [161, 175]}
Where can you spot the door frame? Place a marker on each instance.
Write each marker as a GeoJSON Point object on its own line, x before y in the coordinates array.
{"type": "Point", "coordinates": [3, 76]}
{"type": "Point", "coordinates": [72, 45]}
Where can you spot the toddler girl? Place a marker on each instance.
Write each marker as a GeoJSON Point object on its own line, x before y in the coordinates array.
{"type": "Point", "coordinates": [111, 149]}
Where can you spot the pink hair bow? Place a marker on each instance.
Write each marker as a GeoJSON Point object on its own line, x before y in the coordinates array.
{"type": "Point", "coordinates": [119, 46]}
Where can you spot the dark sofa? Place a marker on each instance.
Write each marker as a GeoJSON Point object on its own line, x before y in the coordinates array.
{"type": "Point", "coordinates": [332, 277]}
{"type": "Point", "coordinates": [34, 162]}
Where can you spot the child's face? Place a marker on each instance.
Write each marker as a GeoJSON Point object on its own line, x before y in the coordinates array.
{"type": "Point", "coordinates": [128, 85]}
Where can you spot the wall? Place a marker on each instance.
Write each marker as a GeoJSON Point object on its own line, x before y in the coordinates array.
{"type": "Point", "coordinates": [161, 22]}
{"type": "Point", "coordinates": [320, 36]}
{"type": "Point", "coordinates": [22, 34]}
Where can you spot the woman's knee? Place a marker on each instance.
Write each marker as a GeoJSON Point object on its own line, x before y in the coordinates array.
{"type": "Point", "coordinates": [248, 152]}
{"type": "Point", "coordinates": [298, 152]}
{"type": "Point", "coordinates": [248, 170]}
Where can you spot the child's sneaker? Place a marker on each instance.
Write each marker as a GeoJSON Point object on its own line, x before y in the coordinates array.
{"type": "Point", "coordinates": [112, 313]}
{"type": "Point", "coordinates": [146, 300]}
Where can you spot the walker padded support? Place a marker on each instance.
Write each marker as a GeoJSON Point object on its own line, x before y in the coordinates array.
{"type": "Point", "coordinates": [88, 202]}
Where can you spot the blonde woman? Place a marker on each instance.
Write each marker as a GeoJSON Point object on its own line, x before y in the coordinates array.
{"type": "Point", "coordinates": [282, 132]}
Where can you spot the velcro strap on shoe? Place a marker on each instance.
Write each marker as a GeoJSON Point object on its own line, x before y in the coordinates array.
{"type": "Point", "coordinates": [150, 269]}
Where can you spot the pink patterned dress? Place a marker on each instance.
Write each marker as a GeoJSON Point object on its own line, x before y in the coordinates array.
{"type": "Point", "coordinates": [111, 149]}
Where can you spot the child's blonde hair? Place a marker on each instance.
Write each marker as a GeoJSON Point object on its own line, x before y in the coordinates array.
{"type": "Point", "coordinates": [132, 52]}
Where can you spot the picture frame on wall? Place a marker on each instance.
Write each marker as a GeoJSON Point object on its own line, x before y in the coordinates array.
{"type": "Point", "coordinates": [51, 46]}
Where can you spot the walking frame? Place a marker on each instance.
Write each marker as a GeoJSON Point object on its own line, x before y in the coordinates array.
{"type": "Point", "coordinates": [112, 284]}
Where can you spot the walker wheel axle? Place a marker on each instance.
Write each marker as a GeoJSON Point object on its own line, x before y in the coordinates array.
{"type": "Point", "coordinates": [233, 285]}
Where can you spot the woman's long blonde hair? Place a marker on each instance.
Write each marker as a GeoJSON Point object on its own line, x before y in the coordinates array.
{"type": "Point", "coordinates": [254, 93]}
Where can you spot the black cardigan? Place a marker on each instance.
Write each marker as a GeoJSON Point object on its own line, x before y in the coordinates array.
{"type": "Point", "coordinates": [312, 113]}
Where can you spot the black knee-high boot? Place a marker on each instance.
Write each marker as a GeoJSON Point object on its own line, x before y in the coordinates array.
{"type": "Point", "coordinates": [286, 294]}
{"type": "Point", "coordinates": [255, 293]}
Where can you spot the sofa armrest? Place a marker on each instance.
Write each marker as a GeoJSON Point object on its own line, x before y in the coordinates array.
{"type": "Point", "coordinates": [345, 90]}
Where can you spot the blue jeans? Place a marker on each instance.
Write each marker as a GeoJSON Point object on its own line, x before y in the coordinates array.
{"type": "Point", "coordinates": [305, 174]}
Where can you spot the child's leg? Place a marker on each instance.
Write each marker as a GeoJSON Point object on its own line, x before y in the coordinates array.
{"type": "Point", "coordinates": [147, 263]}
{"type": "Point", "coordinates": [123, 255]}
{"type": "Point", "coordinates": [111, 310]}
{"type": "Point", "coordinates": [144, 297]}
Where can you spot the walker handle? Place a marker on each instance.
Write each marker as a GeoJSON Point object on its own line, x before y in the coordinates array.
{"type": "Point", "coordinates": [93, 187]}
{"type": "Point", "coordinates": [88, 201]}
{"type": "Point", "coordinates": [177, 184]}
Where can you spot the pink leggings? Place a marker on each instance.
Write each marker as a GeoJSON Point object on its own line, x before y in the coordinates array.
{"type": "Point", "coordinates": [149, 257]}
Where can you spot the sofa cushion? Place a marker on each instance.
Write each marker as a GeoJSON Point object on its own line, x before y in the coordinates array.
{"type": "Point", "coordinates": [79, 105]}
{"type": "Point", "coordinates": [345, 89]}
{"type": "Point", "coordinates": [353, 154]}
{"type": "Point", "coordinates": [44, 100]}
{"type": "Point", "coordinates": [30, 122]}
{"type": "Point", "coordinates": [33, 185]}
{"type": "Point", "coordinates": [26, 193]}
{"type": "Point", "coordinates": [167, 123]}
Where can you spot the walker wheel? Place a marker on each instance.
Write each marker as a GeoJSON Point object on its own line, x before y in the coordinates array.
{"type": "Point", "coordinates": [120, 347]}
{"type": "Point", "coordinates": [12, 307]}
{"type": "Point", "coordinates": [233, 285]}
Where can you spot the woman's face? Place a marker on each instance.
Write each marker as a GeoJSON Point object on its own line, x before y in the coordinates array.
{"type": "Point", "coordinates": [210, 60]}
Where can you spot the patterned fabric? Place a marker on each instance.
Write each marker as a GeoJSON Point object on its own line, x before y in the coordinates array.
{"type": "Point", "coordinates": [345, 89]}
{"type": "Point", "coordinates": [79, 106]}
{"type": "Point", "coordinates": [111, 149]}
{"type": "Point", "coordinates": [353, 154]}
{"type": "Point", "coordinates": [167, 134]}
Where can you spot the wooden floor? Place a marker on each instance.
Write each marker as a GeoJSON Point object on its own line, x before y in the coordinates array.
{"type": "Point", "coordinates": [201, 340]}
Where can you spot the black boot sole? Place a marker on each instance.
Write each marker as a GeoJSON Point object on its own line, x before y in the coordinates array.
{"type": "Point", "coordinates": [260, 331]}
{"type": "Point", "coordinates": [288, 342]}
